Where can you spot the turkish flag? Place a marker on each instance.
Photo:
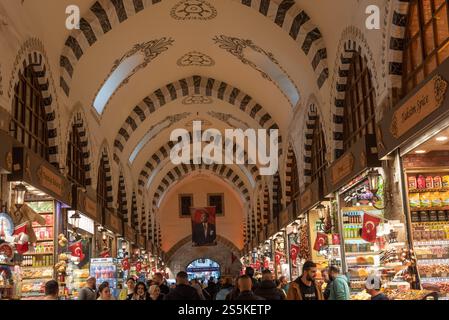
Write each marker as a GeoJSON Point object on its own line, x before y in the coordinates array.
{"type": "Point", "coordinates": [257, 264]}
{"type": "Point", "coordinates": [320, 241]}
{"type": "Point", "coordinates": [21, 237]}
{"type": "Point", "coordinates": [125, 264]}
{"type": "Point", "coordinates": [266, 263]}
{"type": "Point", "coordinates": [369, 230]}
{"type": "Point", "coordinates": [278, 256]}
{"type": "Point", "coordinates": [138, 267]}
{"type": "Point", "coordinates": [294, 250]}
{"type": "Point", "coordinates": [76, 250]}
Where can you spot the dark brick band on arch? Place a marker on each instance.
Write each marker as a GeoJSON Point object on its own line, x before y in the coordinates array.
{"type": "Point", "coordinates": [350, 48]}
{"type": "Point", "coordinates": [36, 62]}
{"type": "Point", "coordinates": [108, 178]}
{"type": "Point", "coordinates": [104, 16]}
{"type": "Point", "coordinates": [79, 124]}
{"type": "Point", "coordinates": [396, 43]}
{"type": "Point", "coordinates": [311, 122]}
{"type": "Point", "coordinates": [180, 171]}
{"type": "Point", "coordinates": [163, 153]}
{"type": "Point", "coordinates": [186, 87]}
{"type": "Point", "coordinates": [134, 212]}
{"type": "Point", "coordinates": [122, 199]}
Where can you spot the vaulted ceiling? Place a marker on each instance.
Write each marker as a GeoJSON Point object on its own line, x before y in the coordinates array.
{"type": "Point", "coordinates": [225, 62]}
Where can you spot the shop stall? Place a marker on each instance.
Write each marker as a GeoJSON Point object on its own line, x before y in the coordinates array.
{"type": "Point", "coordinates": [416, 133]}
{"type": "Point", "coordinates": [81, 220]}
{"type": "Point", "coordinates": [369, 242]}
{"type": "Point", "coordinates": [44, 196]}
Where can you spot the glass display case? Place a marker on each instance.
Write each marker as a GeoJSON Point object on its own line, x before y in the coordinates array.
{"type": "Point", "coordinates": [106, 269]}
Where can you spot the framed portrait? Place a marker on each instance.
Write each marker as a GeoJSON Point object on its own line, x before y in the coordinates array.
{"type": "Point", "coordinates": [216, 200]}
{"type": "Point", "coordinates": [185, 203]}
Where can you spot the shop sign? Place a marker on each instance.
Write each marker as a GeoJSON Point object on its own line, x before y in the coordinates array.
{"type": "Point", "coordinates": [254, 244]}
{"type": "Point", "coordinates": [429, 98]}
{"type": "Point", "coordinates": [113, 222]}
{"type": "Point", "coordinates": [342, 168]}
{"type": "Point", "coordinates": [141, 241]}
{"type": "Point", "coordinates": [418, 112]}
{"type": "Point", "coordinates": [31, 168]}
{"type": "Point", "coordinates": [130, 235]}
{"type": "Point", "coordinates": [284, 218]}
{"type": "Point", "coordinates": [349, 165]}
{"type": "Point", "coordinates": [86, 204]}
{"type": "Point", "coordinates": [311, 196]}
{"type": "Point", "coordinates": [272, 228]}
{"type": "Point", "coordinates": [48, 179]}
{"type": "Point", "coordinates": [306, 199]}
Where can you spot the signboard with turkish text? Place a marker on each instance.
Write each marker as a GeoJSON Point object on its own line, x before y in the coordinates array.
{"type": "Point", "coordinates": [359, 157]}
{"type": "Point", "coordinates": [113, 222]}
{"type": "Point", "coordinates": [32, 169]}
{"type": "Point", "coordinates": [311, 196]}
{"type": "Point", "coordinates": [5, 152]}
{"type": "Point", "coordinates": [423, 108]}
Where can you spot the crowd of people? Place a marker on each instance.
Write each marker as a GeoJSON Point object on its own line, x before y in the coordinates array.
{"type": "Point", "coordinates": [244, 287]}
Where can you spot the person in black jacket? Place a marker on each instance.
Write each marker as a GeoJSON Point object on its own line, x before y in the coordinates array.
{"type": "Point", "coordinates": [249, 271]}
{"type": "Point", "coordinates": [212, 289]}
{"type": "Point", "coordinates": [246, 294]}
{"type": "Point", "coordinates": [158, 279]}
{"type": "Point", "coordinates": [183, 290]}
{"type": "Point", "coordinates": [267, 288]}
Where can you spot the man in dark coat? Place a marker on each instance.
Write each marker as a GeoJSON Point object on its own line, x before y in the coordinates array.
{"type": "Point", "coordinates": [246, 294]}
{"type": "Point", "coordinates": [204, 233]}
{"type": "Point", "coordinates": [183, 290]}
{"type": "Point", "coordinates": [267, 288]}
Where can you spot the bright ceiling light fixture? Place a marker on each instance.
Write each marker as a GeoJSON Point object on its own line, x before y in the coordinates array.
{"type": "Point", "coordinates": [420, 151]}
{"type": "Point", "coordinates": [442, 139]}
{"type": "Point", "coordinates": [124, 68]}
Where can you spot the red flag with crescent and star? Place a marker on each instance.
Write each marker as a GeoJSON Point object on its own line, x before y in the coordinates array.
{"type": "Point", "coordinates": [76, 249]}
{"type": "Point", "coordinates": [320, 241]}
{"type": "Point", "coordinates": [369, 230]}
{"type": "Point", "coordinates": [294, 250]}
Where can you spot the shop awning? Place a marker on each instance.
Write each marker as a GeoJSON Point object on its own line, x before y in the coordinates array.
{"type": "Point", "coordinates": [418, 112]}
{"type": "Point", "coordinates": [32, 169]}
{"type": "Point", "coordinates": [361, 156]}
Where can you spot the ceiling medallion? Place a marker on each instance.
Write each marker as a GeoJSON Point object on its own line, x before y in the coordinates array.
{"type": "Point", "coordinates": [193, 10]}
{"type": "Point", "coordinates": [197, 99]}
{"type": "Point", "coordinates": [195, 58]}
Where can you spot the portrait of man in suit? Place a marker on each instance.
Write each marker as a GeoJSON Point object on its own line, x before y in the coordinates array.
{"type": "Point", "coordinates": [203, 227]}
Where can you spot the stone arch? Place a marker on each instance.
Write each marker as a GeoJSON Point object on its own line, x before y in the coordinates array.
{"type": "Point", "coordinates": [103, 16]}
{"type": "Point", "coordinates": [180, 171]}
{"type": "Point", "coordinates": [134, 211]}
{"type": "Point", "coordinates": [163, 153]}
{"type": "Point", "coordinates": [182, 253]}
{"type": "Point", "coordinates": [79, 120]}
{"type": "Point", "coordinates": [277, 195]}
{"type": "Point", "coordinates": [352, 41]}
{"type": "Point", "coordinates": [32, 54]}
{"type": "Point", "coordinates": [291, 175]}
{"type": "Point", "coordinates": [267, 213]}
{"type": "Point", "coordinates": [104, 155]}
{"type": "Point", "coordinates": [122, 199]}
{"type": "Point", "coordinates": [193, 86]}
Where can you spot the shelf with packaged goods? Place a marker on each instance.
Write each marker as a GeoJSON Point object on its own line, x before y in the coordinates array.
{"type": "Point", "coordinates": [37, 278]}
{"type": "Point", "coordinates": [44, 226]}
{"type": "Point", "coordinates": [444, 189]}
{"type": "Point", "coordinates": [38, 254]}
{"type": "Point", "coordinates": [431, 243]}
{"type": "Point", "coordinates": [424, 279]}
{"type": "Point", "coordinates": [368, 253]}
{"type": "Point", "coordinates": [442, 208]}
{"type": "Point", "coordinates": [432, 261]}
{"type": "Point", "coordinates": [44, 240]}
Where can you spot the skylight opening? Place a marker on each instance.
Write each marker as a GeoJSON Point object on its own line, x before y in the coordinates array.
{"type": "Point", "coordinates": [275, 72]}
{"type": "Point", "coordinates": [121, 72]}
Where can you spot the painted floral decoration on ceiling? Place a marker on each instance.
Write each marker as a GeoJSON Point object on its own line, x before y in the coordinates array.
{"type": "Point", "coordinates": [237, 47]}
{"type": "Point", "coordinates": [193, 10]}
{"type": "Point", "coordinates": [195, 58]}
{"type": "Point", "coordinates": [197, 99]}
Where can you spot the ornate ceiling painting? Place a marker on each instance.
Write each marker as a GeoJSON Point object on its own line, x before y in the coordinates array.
{"type": "Point", "coordinates": [243, 49]}
{"type": "Point", "coordinates": [193, 10]}
{"type": "Point", "coordinates": [197, 59]}
{"type": "Point", "coordinates": [126, 67]}
{"type": "Point", "coordinates": [197, 99]}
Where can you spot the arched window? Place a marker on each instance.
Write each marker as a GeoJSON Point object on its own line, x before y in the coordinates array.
{"type": "Point", "coordinates": [359, 115]}
{"type": "Point", "coordinates": [102, 193]}
{"type": "Point", "coordinates": [426, 40]}
{"type": "Point", "coordinates": [29, 119]}
{"type": "Point", "coordinates": [318, 152]}
{"type": "Point", "coordinates": [76, 172]}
